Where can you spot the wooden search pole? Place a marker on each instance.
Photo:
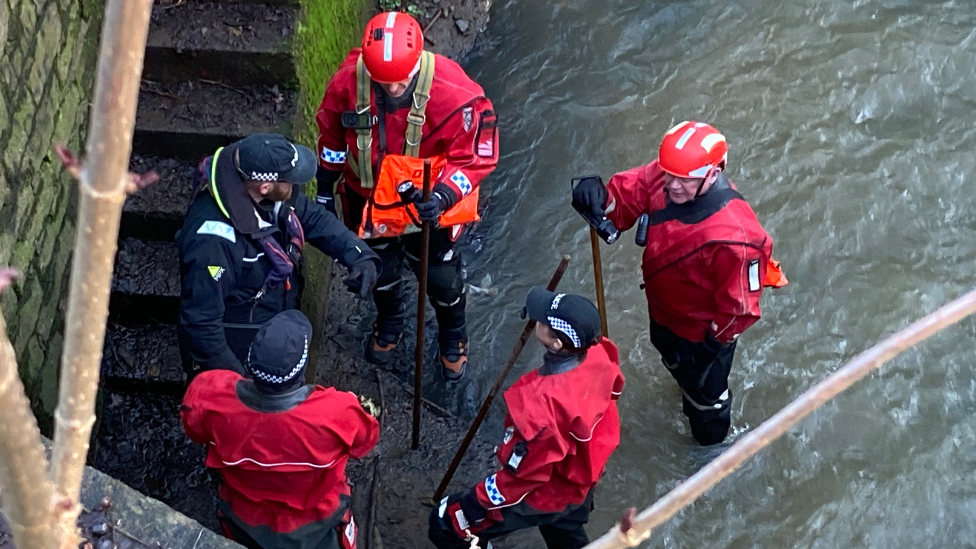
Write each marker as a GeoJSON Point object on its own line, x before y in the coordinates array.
{"type": "Point", "coordinates": [633, 530]}
{"type": "Point", "coordinates": [418, 354]}
{"type": "Point", "coordinates": [601, 303]}
{"type": "Point", "coordinates": [499, 381]}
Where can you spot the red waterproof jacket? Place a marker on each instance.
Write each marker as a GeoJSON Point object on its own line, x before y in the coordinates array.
{"type": "Point", "coordinates": [699, 275]}
{"type": "Point", "coordinates": [460, 124]}
{"type": "Point", "coordinates": [560, 432]}
{"type": "Point", "coordinates": [283, 469]}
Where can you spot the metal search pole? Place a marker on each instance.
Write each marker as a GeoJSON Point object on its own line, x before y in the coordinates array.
{"type": "Point", "coordinates": [499, 381]}
{"type": "Point", "coordinates": [632, 530]}
{"type": "Point", "coordinates": [601, 303]}
{"type": "Point", "coordinates": [418, 355]}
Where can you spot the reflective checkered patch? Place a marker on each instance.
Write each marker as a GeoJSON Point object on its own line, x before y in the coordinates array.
{"type": "Point", "coordinates": [462, 182]}
{"type": "Point", "coordinates": [218, 228]}
{"type": "Point", "coordinates": [333, 157]}
{"type": "Point", "coordinates": [264, 176]}
{"type": "Point", "coordinates": [564, 327]}
{"type": "Point", "coordinates": [494, 495]}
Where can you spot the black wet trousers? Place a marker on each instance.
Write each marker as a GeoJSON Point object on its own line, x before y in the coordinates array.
{"type": "Point", "coordinates": [445, 286]}
{"type": "Point", "coordinates": [559, 530]}
{"type": "Point", "coordinates": [706, 398]}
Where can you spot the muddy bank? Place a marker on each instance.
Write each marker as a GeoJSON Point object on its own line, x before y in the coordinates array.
{"type": "Point", "coordinates": [96, 531]}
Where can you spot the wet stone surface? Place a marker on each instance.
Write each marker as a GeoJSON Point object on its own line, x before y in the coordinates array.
{"type": "Point", "coordinates": [148, 353]}
{"type": "Point", "coordinates": [222, 26]}
{"type": "Point", "coordinates": [147, 268]}
{"type": "Point", "coordinates": [202, 107]}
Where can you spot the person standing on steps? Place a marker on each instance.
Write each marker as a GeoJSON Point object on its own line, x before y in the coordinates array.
{"type": "Point", "coordinates": [561, 428]}
{"type": "Point", "coordinates": [281, 446]}
{"type": "Point", "coordinates": [241, 244]}
{"type": "Point", "coordinates": [389, 102]}
{"type": "Point", "coordinates": [706, 262]}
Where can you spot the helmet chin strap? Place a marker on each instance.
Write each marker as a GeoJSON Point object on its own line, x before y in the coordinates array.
{"type": "Point", "coordinates": [713, 173]}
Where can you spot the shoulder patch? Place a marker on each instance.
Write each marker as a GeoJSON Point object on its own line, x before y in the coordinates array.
{"type": "Point", "coordinates": [218, 228]}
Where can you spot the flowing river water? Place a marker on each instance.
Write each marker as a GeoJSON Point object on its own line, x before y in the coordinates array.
{"type": "Point", "coordinates": [851, 128]}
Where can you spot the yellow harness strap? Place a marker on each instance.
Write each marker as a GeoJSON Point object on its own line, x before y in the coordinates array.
{"type": "Point", "coordinates": [364, 137]}
{"type": "Point", "coordinates": [421, 95]}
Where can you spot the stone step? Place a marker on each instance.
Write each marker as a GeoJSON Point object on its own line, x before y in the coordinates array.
{"type": "Point", "coordinates": [146, 267]}
{"type": "Point", "coordinates": [191, 119]}
{"type": "Point", "coordinates": [233, 43]}
{"type": "Point", "coordinates": [156, 212]}
{"type": "Point", "coordinates": [146, 355]}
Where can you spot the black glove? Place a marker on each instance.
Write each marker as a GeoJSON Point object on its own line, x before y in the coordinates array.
{"type": "Point", "coordinates": [433, 208]}
{"type": "Point", "coordinates": [590, 193]}
{"type": "Point", "coordinates": [472, 508]}
{"type": "Point", "coordinates": [326, 181]}
{"type": "Point", "coordinates": [362, 278]}
{"type": "Point", "coordinates": [708, 350]}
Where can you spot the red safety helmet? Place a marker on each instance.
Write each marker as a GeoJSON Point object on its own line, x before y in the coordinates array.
{"type": "Point", "coordinates": [392, 45]}
{"type": "Point", "coordinates": [691, 149]}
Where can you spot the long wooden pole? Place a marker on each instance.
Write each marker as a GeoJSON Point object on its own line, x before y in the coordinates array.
{"type": "Point", "coordinates": [499, 381]}
{"type": "Point", "coordinates": [633, 530]}
{"type": "Point", "coordinates": [418, 354]}
{"type": "Point", "coordinates": [601, 303]}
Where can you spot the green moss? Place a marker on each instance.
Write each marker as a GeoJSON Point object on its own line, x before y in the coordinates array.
{"type": "Point", "coordinates": [326, 33]}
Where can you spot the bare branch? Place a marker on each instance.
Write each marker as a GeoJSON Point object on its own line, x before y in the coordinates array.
{"type": "Point", "coordinates": [27, 490]}
{"type": "Point", "coordinates": [103, 183]}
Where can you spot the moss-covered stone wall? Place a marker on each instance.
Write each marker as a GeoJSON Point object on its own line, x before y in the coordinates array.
{"type": "Point", "coordinates": [48, 48]}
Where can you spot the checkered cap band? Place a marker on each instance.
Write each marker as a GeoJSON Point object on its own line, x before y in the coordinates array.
{"type": "Point", "coordinates": [264, 176]}
{"type": "Point", "coordinates": [270, 378]}
{"type": "Point", "coordinates": [564, 327]}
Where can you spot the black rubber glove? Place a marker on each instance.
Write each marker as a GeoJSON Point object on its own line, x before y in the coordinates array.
{"type": "Point", "coordinates": [362, 278]}
{"type": "Point", "coordinates": [326, 181]}
{"type": "Point", "coordinates": [441, 200]}
{"type": "Point", "coordinates": [472, 507]}
{"type": "Point", "coordinates": [591, 193]}
{"type": "Point", "coordinates": [708, 350]}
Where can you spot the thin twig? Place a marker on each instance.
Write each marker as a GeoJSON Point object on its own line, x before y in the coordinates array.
{"type": "Point", "coordinates": [774, 427]}
{"type": "Point", "coordinates": [432, 405]}
{"type": "Point", "coordinates": [164, 94]}
{"type": "Point", "coordinates": [222, 85]}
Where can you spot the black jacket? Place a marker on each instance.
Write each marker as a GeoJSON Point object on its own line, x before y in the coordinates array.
{"type": "Point", "coordinates": [222, 271]}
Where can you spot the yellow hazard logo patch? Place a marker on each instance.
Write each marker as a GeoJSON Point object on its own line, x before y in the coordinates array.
{"type": "Point", "coordinates": [216, 272]}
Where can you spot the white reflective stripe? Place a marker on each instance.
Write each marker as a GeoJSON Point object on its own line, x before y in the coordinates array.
{"type": "Point", "coordinates": [388, 47]}
{"type": "Point", "coordinates": [284, 464]}
{"type": "Point", "coordinates": [587, 439]}
{"type": "Point", "coordinates": [253, 259]}
{"type": "Point", "coordinates": [390, 19]}
{"type": "Point", "coordinates": [509, 504]}
{"type": "Point", "coordinates": [612, 206]}
{"type": "Point", "coordinates": [218, 228]}
{"type": "Point", "coordinates": [684, 138]}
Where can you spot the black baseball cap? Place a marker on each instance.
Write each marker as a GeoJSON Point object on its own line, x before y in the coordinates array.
{"type": "Point", "coordinates": [279, 353]}
{"type": "Point", "coordinates": [266, 157]}
{"type": "Point", "coordinates": [572, 315]}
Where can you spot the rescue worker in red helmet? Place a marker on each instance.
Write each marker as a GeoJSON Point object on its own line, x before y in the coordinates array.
{"type": "Point", "coordinates": [705, 265]}
{"type": "Point", "coordinates": [388, 106]}
{"type": "Point", "coordinates": [561, 428]}
{"type": "Point", "coordinates": [280, 445]}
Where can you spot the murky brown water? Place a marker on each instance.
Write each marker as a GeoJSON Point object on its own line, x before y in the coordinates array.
{"type": "Point", "coordinates": [851, 127]}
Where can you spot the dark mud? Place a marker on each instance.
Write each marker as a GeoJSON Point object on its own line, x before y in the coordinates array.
{"type": "Point", "coordinates": [205, 107]}
{"type": "Point", "coordinates": [145, 353]}
{"type": "Point", "coordinates": [96, 531]}
{"type": "Point", "coordinates": [451, 27]}
{"type": "Point", "coordinates": [156, 212]}
{"type": "Point", "coordinates": [141, 442]}
{"type": "Point", "coordinates": [194, 25]}
{"type": "Point", "coordinates": [147, 268]}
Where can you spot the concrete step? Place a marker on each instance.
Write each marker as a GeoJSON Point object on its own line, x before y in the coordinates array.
{"type": "Point", "coordinates": [146, 356]}
{"type": "Point", "coordinates": [233, 43]}
{"type": "Point", "coordinates": [189, 120]}
{"type": "Point", "coordinates": [156, 212]}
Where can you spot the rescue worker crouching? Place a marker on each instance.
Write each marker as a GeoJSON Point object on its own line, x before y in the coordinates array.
{"type": "Point", "coordinates": [706, 262]}
{"type": "Point", "coordinates": [561, 428]}
{"type": "Point", "coordinates": [390, 105]}
{"type": "Point", "coordinates": [240, 248]}
{"type": "Point", "coordinates": [281, 446]}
